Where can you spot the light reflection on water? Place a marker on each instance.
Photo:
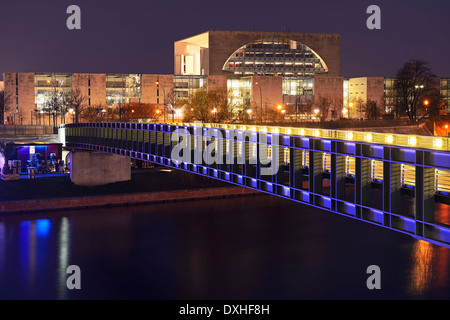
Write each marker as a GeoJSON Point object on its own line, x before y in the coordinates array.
{"type": "Point", "coordinates": [244, 248]}
{"type": "Point", "coordinates": [63, 257]}
{"type": "Point", "coordinates": [422, 256]}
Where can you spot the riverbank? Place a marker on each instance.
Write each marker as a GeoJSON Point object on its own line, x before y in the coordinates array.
{"type": "Point", "coordinates": [146, 186]}
{"type": "Point", "coordinates": [29, 206]}
{"type": "Point", "coordinates": [142, 181]}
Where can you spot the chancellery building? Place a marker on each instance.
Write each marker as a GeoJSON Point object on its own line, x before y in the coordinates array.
{"type": "Point", "coordinates": [264, 69]}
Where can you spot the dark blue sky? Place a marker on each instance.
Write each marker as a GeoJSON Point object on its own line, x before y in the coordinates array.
{"type": "Point", "coordinates": [136, 36]}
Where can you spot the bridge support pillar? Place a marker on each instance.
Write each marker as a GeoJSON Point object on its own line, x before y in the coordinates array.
{"type": "Point", "coordinates": [296, 168]}
{"type": "Point", "coordinates": [278, 156]}
{"type": "Point", "coordinates": [337, 176]}
{"type": "Point", "coordinates": [315, 172]}
{"type": "Point", "coordinates": [424, 195]}
{"type": "Point", "coordinates": [95, 168]}
{"type": "Point", "coordinates": [363, 180]}
{"type": "Point", "coordinates": [392, 186]}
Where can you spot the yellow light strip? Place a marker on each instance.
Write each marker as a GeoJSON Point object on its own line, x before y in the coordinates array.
{"type": "Point", "coordinates": [426, 142]}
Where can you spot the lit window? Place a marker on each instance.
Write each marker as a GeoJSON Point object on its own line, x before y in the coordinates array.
{"type": "Point", "coordinates": [437, 143]}
{"type": "Point", "coordinates": [389, 139]}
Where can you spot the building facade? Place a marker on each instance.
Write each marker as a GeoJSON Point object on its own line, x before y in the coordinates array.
{"type": "Point", "coordinates": [259, 69]}
{"type": "Point", "coordinates": [265, 69]}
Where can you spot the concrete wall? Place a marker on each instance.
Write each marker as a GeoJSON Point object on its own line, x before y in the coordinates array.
{"type": "Point", "coordinates": [375, 89]}
{"type": "Point", "coordinates": [98, 89]}
{"type": "Point", "coordinates": [80, 81]}
{"type": "Point", "coordinates": [26, 97]}
{"type": "Point", "coordinates": [331, 88]}
{"type": "Point", "coordinates": [95, 168]}
{"type": "Point", "coordinates": [217, 82]}
{"type": "Point", "coordinates": [23, 96]}
{"type": "Point", "coordinates": [363, 89]}
{"type": "Point", "coordinates": [9, 82]}
{"type": "Point", "coordinates": [196, 50]}
{"type": "Point", "coordinates": [271, 91]}
{"type": "Point", "coordinates": [150, 92]}
{"type": "Point", "coordinates": [366, 88]}
{"type": "Point", "coordinates": [222, 44]}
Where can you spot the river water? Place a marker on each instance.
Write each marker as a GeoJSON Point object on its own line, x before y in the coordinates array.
{"type": "Point", "coordinates": [253, 247]}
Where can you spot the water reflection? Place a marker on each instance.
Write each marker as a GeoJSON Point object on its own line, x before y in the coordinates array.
{"type": "Point", "coordinates": [63, 256]}
{"type": "Point", "coordinates": [421, 275]}
{"type": "Point", "coordinates": [244, 248]}
{"type": "Point", "coordinates": [2, 246]}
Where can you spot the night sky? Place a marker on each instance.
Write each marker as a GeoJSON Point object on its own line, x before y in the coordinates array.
{"type": "Point", "coordinates": [136, 36]}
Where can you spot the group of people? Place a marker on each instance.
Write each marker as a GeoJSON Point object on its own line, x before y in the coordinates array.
{"type": "Point", "coordinates": [53, 165]}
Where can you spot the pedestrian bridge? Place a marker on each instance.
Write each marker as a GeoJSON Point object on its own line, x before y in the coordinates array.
{"type": "Point", "coordinates": [400, 182]}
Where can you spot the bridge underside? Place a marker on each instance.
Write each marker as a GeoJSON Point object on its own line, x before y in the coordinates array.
{"type": "Point", "coordinates": [399, 188]}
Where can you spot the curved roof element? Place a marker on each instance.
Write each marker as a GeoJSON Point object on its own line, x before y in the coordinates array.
{"type": "Point", "coordinates": [279, 57]}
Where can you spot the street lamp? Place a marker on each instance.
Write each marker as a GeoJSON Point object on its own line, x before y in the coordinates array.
{"type": "Point", "coordinates": [260, 96]}
{"type": "Point", "coordinates": [72, 112]}
{"type": "Point", "coordinates": [350, 105]}
{"type": "Point", "coordinates": [316, 111]}
{"type": "Point", "coordinates": [446, 130]}
{"type": "Point", "coordinates": [164, 101]}
{"type": "Point", "coordinates": [37, 114]}
{"type": "Point", "coordinates": [249, 111]}
{"type": "Point", "coordinates": [178, 113]}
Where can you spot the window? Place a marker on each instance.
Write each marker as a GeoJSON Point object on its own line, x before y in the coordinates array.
{"type": "Point", "coordinates": [291, 58]}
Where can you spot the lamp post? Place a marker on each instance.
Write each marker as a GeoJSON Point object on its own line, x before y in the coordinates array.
{"type": "Point", "coordinates": [349, 111]}
{"type": "Point", "coordinates": [37, 114]}
{"type": "Point", "coordinates": [72, 112]}
{"type": "Point", "coordinates": [164, 101]}
{"type": "Point", "coordinates": [316, 111]}
{"type": "Point", "coordinates": [179, 114]}
{"type": "Point", "coordinates": [446, 130]}
{"type": "Point", "coordinates": [260, 96]}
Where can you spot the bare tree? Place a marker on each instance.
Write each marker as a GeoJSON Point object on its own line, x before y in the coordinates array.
{"type": "Point", "coordinates": [76, 103]}
{"type": "Point", "coordinates": [140, 111]}
{"type": "Point", "coordinates": [323, 105]}
{"type": "Point", "coordinates": [5, 104]}
{"type": "Point", "coordinates": [434, 104]}
{"type": "Point", "coordinates": [55, 104]}
{"type": "Point", "coordinates": [209, 106]}
{"type": "Point", "coordinates": [372, 110]}
{"type": "Point", "coordinates": [391, 105]}
{"type": "Point", "coordinates": [93, 113]}
{"type": "Point", "coordinates": [414, 82]}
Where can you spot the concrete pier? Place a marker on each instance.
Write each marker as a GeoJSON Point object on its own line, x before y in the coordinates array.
{"type": "Point", "coordinates": [97, 168]}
